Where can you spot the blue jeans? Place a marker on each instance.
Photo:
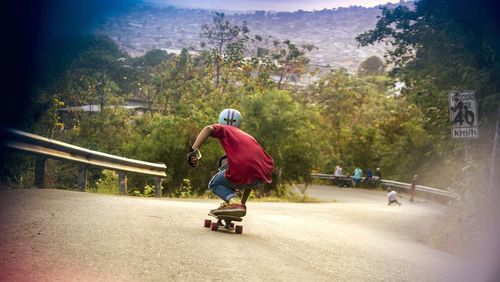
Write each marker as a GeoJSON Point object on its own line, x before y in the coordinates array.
{"type": "Point", "coordinates": [226, 189]}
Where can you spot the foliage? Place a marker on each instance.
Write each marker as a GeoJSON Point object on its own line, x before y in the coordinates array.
{"type": "Point", "coordinates": [185, 191]}
{"type": "Point", "coordinates": [16, 170]}
{"type": "Point", "coordinates": [291, 60]}
{"type": "Point", "coordinates": [147, 191]}
{"type": "Point", "coordinates": [368, 127]}
{"type": "Point", "coordinates": [371, 66]}
{"type": "Point", "coordinates": [152, 58]}
{"type": "Point", "coordinates": [165, 139]}
{"type": "Point", "coordinates": [93, 131]}
{"type": "Point", "coordinates": [288, 130]}
{"type": "Point", "coordinates": [445, 45]}
{"type": "Point", "coordinates": [178, 81]}
{"type": "Point", "coordinates": [227, 41]}
{"type": "Point", "coordinates": [50, 122]}
{"type": "Point", "coordinates": [108, 183]}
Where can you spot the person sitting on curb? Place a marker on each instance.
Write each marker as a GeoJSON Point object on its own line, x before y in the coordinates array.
{"type": "Point", "coordinates": [392, 197]}
{"type": "Point", "coordinates": [356, 179]}
{"type": "Point", "coordinates": [248, 164]}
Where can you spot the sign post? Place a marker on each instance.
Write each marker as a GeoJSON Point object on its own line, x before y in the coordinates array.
{"type": "Point", "coordinates": [464, 120]}
{"type": "Point", "coordinates": [495, 161]}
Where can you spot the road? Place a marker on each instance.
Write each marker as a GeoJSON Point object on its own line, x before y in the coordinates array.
{"type": "Point", "coordinates": [57, 235]}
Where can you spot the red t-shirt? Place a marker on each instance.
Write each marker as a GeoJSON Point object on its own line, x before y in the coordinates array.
{"type": "Point", "coordinates": [247, 160]}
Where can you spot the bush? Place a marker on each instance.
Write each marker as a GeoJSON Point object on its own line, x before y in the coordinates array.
{"type": "Point", "coordinates": [185, 191]}
{"type": "Point", "coordinates": [148, 191]}
{"type": "Point", "coordinates": [108, 183]}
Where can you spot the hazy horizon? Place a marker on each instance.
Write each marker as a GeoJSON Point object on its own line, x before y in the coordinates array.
{"type": "Point", "coordinates": [270, 5]}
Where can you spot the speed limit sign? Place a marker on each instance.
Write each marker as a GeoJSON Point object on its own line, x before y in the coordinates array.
{"type": "Point", "coordinates": [463, 114]}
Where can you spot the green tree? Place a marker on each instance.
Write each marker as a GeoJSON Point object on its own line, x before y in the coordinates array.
{"type": "Point", "coordinates": [448, 44]}
{"type": "Point", "coordinates": [227, 41]}
{"type": "Point", "coordinates": [84, 69]}
{"type": "Point", "coordinates": [366, 126]}
{"type": "Point", "coordinates": [152, 58]}
{"type": "Point", "coordinates": [165, 139]}
{"type": "Point", "coordinates": [177, 81]}
{"type": "Point", "coordinates": [371, 66]}
{"type": "Point", "coordinates": [107, 132]}
{"type": "Point", "coordinates": [291, 60]}
{"type": "Point", "coordinates": [289, 131]}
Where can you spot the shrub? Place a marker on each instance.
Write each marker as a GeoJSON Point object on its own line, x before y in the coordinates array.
{"type": "Point", "coordinates": [108, 183]}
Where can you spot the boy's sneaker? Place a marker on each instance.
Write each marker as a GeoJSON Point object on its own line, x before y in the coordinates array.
{"type": "Point", "coordinates": [237, 210]}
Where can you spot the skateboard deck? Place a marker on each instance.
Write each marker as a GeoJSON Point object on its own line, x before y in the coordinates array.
{"type": "Point", "coordinates": [224, 223]}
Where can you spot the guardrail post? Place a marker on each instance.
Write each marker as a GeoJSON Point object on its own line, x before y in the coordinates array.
{"type": "Point", "coordinates": [122, 178]}
{"type": "Point", "coordinates": [157, 187]}
{"type": "Point", "coordinates": [82, 178]}
{"type": "Point", "coordinates": [40, 172]}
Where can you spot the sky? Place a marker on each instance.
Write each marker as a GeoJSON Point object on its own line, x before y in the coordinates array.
{"type": "Point", "coordinates": [270, 5]}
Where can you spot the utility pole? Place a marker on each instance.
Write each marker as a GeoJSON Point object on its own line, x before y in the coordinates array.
{"type": "Point", "coordinates": [495, 159]}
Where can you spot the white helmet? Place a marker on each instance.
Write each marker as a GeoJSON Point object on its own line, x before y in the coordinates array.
{"type": "Point", "coordinates": [230, 117]}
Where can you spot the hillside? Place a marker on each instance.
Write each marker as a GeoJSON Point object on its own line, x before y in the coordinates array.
{"type": "Point", "coordinates": [332, 31]}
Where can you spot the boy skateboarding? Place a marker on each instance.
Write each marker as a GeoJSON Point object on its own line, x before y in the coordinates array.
{"type": "Point", "coordinates": [248, 164]}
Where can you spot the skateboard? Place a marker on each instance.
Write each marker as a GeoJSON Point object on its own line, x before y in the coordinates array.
{"type": "Point", "coordinates": [224, 223]}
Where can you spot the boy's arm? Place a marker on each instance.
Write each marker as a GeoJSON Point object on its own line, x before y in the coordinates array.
{"type": "Point", "coordinates": [202, 137]}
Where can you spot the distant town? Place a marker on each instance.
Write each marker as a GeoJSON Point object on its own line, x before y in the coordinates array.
{"type": "Point", "coordinates": [332, 31]}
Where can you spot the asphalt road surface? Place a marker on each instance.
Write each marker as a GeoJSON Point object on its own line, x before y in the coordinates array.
{"type": "Point", "coordinates": [56, 235]}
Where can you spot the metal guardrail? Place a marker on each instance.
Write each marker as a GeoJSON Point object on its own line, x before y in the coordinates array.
{"type": "Point", "coordinates": [328, 176]}
{"type": "Point", "coordinates": [421, 188]}
{"type": "Point", "coordinates": [43, 148]}
{"type": "Point", "coordinates": [394, 184]}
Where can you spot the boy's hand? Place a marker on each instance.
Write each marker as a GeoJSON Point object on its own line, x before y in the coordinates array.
{"type": "Point", "coordinates": [193, 157]}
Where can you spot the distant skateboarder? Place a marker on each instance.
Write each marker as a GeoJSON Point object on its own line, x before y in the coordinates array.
{"type": "Point", "coordinates": [392, 197]}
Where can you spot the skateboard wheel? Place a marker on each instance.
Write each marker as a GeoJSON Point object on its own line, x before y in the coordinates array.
{"type": "Point", "coordinates": [214, 226]}
{"type": "Point", "coordinates": [231, 224]}
{"type": "Point", "coordinates": [239, 229]}
{"type": "Point", "coordinates": [207, 223]}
